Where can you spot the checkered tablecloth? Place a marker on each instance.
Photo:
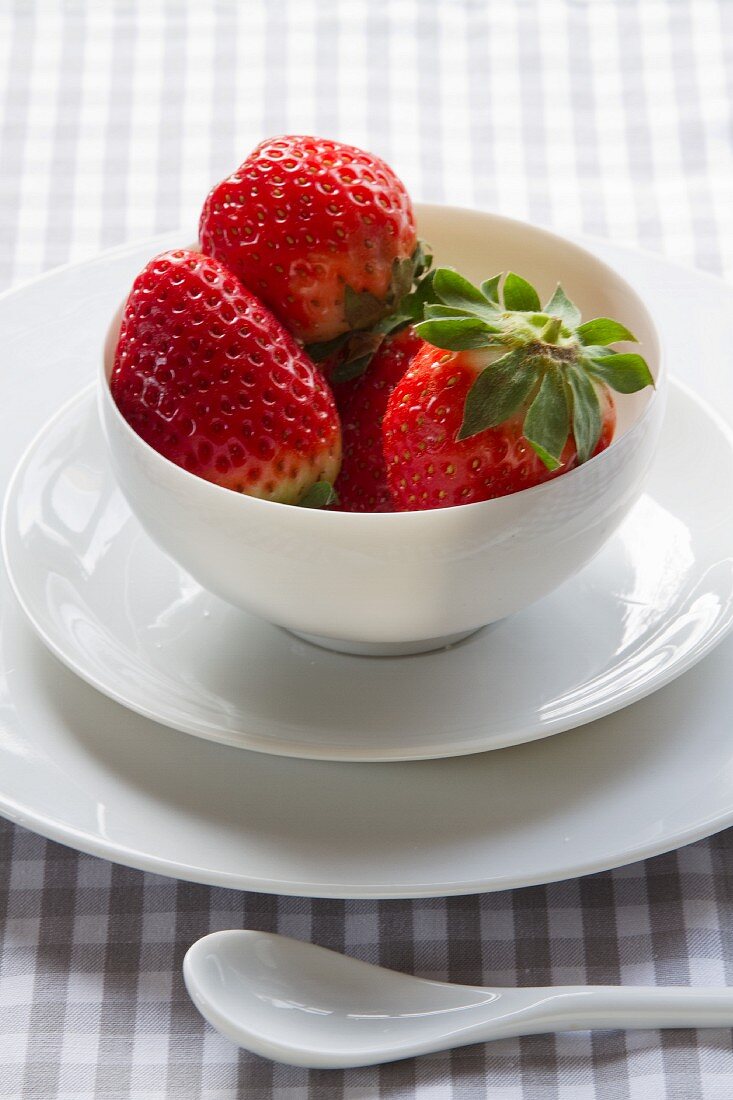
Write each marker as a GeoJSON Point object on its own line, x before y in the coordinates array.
{"type": "Point", "coordinates": [614, 118]}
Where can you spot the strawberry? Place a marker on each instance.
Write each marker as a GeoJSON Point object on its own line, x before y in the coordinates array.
{"type": "Point", "coordinates": [362, 483]}
{"type": "Point", "coordinates": [208, 377]}
{"type": "Point", "coordinates": [504, 395]}
{"type": "Point", "coordinates": [322, 232]}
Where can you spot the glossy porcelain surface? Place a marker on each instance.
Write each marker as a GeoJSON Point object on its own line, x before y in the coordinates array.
{"type": "Point", "coordinates": [77, 767]}
{"type": "Point", "coordinates": [307, 1006]}
{"type": "Point", "coordinates": [126, 618]}
{"type": "Point", "coordinates": [409, 581]}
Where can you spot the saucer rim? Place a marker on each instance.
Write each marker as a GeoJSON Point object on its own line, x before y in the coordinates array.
{"type": "Point", "coordinates": [326, 752]}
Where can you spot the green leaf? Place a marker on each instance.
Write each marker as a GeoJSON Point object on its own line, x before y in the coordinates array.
{"type": "Point", "coordinates": [412, 307]}
{"type": "Point", "coordinates": [352, 368]}
{"type": "Point", "coordinates": [400, 284]}
{"type": "Point", "coordinates": [490, 289]}
{"type": "Point", "coordinates": [603, 331]}
{"type": "Point", "coordinates": [319, 495]}
{"type": "Point", "coordinates": [362, 343]}
{"type": "Point", "coordinates": [519, 294]}
{"type": "Point", "coordinates": [393, 323]}
{"type": "Point", "coordinates": [498, 392]}
{"type": "Point", "coordinates": [625, 373]}
{"type": "Point", "coordinates": [453, 290]}
{"type": "Point", "coordinates": [549, 460]}
{"type": "Point", "coordinates": [422, 259]}
{"type": "Point", "coordinates": [587, 422]}
{"type": "Point", "coordinates": [547, 422]}
{"type": "Point", "coordinates": [425, 291]}
{"type": "Point", "coordinates": [596, 351]}
{"type": "Point", "coordinates": [436, 311]}
{"type": "Point", "coordinates": [362, 308]}
{"type": "Point", "coordinates": [560, 306]}
{"type": "Point", "coordinates": [359, 349]}
{"type": "Point", "coordinates": [320, 351]}
{"type": "Point", "coordinates": [407, 304]}
{"type": "Point", "coordinates": [457, 333]}
{"type": "Point", "coordinates": [423, 294]}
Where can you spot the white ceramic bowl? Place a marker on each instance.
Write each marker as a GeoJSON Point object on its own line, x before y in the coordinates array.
{"type": "Point", "coordinates": [411, 581]}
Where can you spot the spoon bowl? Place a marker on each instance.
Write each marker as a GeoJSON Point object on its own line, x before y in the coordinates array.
{"type": "Point", "coordinates": [304, 1005]}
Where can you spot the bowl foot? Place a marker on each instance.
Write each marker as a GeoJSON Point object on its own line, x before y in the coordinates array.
{"type": "Point", "coordinates": [384, 649]}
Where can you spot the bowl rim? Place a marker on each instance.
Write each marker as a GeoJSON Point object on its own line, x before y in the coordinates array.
{"type": "Point", "coordinates": [494, 504]}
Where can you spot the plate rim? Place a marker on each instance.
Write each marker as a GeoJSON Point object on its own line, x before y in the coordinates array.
{"type": "Point", "coordinates": [321, 751]}
{"type": "Point", "coordinates": [83, 841]}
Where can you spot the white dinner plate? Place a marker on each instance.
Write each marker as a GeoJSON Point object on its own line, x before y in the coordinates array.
{"type": "Point", "coordinates": [123, 616]}
{"type": "Point", "coordinates": [77, 767]}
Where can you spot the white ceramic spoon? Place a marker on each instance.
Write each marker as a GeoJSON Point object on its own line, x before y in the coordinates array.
{"type": "Point", "coordinates": [306, 1006]}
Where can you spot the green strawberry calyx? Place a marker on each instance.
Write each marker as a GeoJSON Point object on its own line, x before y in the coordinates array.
{"type": "Point", "coordinates": [320, 495]}
{"type": "Point", "coordinates": [547, 360]}
{"type": "Point", "coordinates": [371, 319]}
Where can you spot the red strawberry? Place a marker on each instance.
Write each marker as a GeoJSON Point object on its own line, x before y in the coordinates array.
{"type": "Point", "coordinates": [322, 232]}
{"type": "Point", "coordinates": [208, 377]}
{"type": "Point", "coordinates": [509, 395]}
{"type": "Point", "coordinates": [362, 483]}
{"type": "Point", "coordinates": [429, 467]}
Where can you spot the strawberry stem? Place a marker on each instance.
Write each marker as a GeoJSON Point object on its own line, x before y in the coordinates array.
{"type": "Point", "coordinates": [551, 331]}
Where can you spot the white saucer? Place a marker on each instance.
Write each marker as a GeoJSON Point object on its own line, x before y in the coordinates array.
{"type": "Point", "coordinates": [80, 769]}
{"type": "Point", "coordinates": [130, 622]}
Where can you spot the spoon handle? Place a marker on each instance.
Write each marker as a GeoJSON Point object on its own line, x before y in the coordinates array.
{"type": "Point", "coordinates": [582, 1008]}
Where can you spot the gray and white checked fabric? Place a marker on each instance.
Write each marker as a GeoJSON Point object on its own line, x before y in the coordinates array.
{"type": "Point", "coordinates": [614, 118]}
